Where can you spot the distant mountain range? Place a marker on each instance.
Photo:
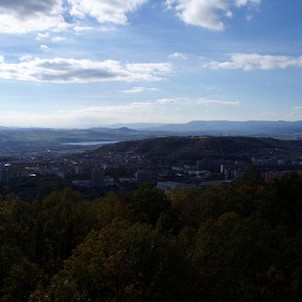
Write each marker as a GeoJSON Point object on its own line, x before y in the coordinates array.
{"type": "Point", "coordinates": [140, 130]}
{"type": "Point", "coordinates": [246, 128]}
{"type": "Point", "coordinates": [19, 140]}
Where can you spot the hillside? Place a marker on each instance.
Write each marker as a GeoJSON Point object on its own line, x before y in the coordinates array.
{"type": "Point", "coordinates": [193, 148]}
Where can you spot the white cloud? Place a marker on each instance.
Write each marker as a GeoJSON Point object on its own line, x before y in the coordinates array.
{"type": "Point", "coordinates": [135, 90]}
{"type": "Point", "coordinates": [139, 90]}
{"type": "Point", "coordinates": [20, 16]}
{"type": "Point", "coordinates": [79, 29]}
{"type": "Point", "coordinates": [205, 13]}
{"type": "Point", "coordinates": [178, 55]}
{"type": "Point", "coordinates": [255, 61]}
{"type": "Point", "coordinates": [23, 8]}
{"type": "Point", "coordinates": [156, 68]}
{"type": "Point", "coordinates": [167, 100]}
{"type": "Point", "coordinates": [62, 70]}
{"type": "Point", "coordinates": [42, 36]}
{"type": "Point", "coordinates": [296, 112]}
{"type": "Point", "coordinates": [44, 47]}
{"type": "Point", "coordinates": [83, 29]}
{"type": "Point", "coordinates": [24, 58]}
{"type": "Point", "coordinates": [23, 16]}
{"type": "Point", "coordinates": [46, 36]}
{"type": "Point", "coordinates": [240, 3]}
{"type": "Point", "coordinates": [58, 39]}
{"type": "Point", "coordinates": [106, 10]}
{"type": "Point", "coordinates": [205, 101]}
{"type": "Point", "coordinates": [1, 58]}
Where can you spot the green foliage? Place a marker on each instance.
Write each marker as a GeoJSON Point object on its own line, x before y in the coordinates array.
{"type": "Point", "coordinates": [36, 187]}
{"type": "Point", "coordinates": [241, 242]}
{"type": "Point", "coordinates": [22, 279]}
{"type": "Point", "coordinates": [125, 262]}
{"type": "Point", "coordinates": [288, 204]}
{"type": "Point", "coordinates": [109, 208]}
{"type": "Point", "coordinates": [147, 203]}
{"type": "Point", "coordinates": [187, 203]}
{"type": "Point", "coordinates": [243, 259]}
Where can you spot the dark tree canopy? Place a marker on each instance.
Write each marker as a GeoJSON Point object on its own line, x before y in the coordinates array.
{"type": "Point", "coordinates": [239, 242]}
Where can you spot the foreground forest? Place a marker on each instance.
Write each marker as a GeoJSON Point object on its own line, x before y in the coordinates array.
{"type": "Point", "coordinates": [239, 242]}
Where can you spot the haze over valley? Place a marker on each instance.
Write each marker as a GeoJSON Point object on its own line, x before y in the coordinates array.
{"type": "Point", "coordinates": [25, 141]}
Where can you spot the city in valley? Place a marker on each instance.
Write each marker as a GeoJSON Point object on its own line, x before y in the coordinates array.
{"type": "Point", "coordinates": [133, 158]}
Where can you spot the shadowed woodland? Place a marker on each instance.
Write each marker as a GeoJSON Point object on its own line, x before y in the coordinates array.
{"type": "Point", "coordinates": [239, 242]}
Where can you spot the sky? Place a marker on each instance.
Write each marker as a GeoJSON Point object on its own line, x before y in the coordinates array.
{"type": "Point", "coordinates": [90, 63]}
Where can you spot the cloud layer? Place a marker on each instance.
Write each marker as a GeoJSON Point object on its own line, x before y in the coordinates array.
{"type": "Point", "coordinates": [205, 101]}
{"type": "Point", "coordinates": [136, 89]}
{"type": "Point", "coordinates": [255, 61]}
{"type": "Point", "coordinates": [62, 70]}
{"type": "Point", "coordinates": [23, 16]}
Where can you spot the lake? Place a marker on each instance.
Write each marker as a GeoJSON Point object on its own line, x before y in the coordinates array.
{"type": "Point", "coordinates": [91, 143]}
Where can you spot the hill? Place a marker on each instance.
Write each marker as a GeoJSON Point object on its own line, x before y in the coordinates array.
{"type": "Point", "coordinates": [193, 148]}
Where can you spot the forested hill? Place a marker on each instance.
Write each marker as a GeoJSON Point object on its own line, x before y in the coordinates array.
{"type": "Point", "coordinates": [197, 147]}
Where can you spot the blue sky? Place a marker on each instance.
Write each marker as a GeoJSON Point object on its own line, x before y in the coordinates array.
{"type": "Point", "coordinates": [86, 63]}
